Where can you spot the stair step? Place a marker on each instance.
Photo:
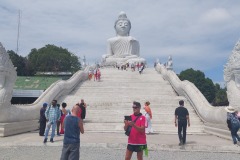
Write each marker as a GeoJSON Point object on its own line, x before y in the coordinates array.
{"type": "Point", "coordinates": [119, 127]}
{"type": "Point", "coordinates": [111, 98]}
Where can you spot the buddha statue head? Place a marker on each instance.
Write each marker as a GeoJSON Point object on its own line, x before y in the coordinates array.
{"type": "Point", "coordinates": [122, 25]}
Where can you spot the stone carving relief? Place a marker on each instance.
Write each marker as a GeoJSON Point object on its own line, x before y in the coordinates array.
{"type": "Point", "coordinates": [8, 77]}
{"type": "Point", "coordinates": [232, 76]}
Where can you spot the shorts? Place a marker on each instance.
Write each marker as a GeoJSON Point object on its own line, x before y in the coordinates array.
{"type": "Point", "coordinates": [136, 148]}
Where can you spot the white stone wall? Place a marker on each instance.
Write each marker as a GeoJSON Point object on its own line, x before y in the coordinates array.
{"type": "Point", "coordinates": [16, 113]}
{"type": "Point", "coordinates": [206, 112]}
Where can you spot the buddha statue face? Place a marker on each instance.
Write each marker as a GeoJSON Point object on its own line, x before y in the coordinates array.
{"type": "Point", "coordinates": [122, 27]}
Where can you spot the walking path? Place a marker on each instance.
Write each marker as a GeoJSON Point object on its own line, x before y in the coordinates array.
{"type": "Point", "coordinates": [111, 146]}
{"type": "Point", "coordinates": [207, 143]}
{"type": "Point", "coordinates": [108, 101]}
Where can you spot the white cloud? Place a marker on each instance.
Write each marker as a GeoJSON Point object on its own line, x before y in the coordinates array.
{"type": "Point", "coordinates": [216, 16]}
{"type": "Point", "coordinates": [198, 34]}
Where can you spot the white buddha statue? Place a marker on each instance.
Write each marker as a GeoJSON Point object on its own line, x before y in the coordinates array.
{"type": "Point", "coordinates": [122, 47]}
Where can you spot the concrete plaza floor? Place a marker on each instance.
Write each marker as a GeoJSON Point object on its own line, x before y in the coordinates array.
{"type": "Point", "coordinates": [201, 142]}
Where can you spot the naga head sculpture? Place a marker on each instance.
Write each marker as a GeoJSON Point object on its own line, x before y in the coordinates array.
{"type": "Point", "coordinates": [232, 77]}
{"type": "Point", "coordinates": [232, 68]}
{"type": "Point", "coordinates": [8, 77]}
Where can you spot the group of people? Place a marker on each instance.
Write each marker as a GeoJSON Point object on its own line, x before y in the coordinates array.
{"type": "Point", "coordinates": [53, 116]}
{"type": "Point", "coordinates": [71, 123]}
{"type": "Point", "coordinates": [96, 74]}
{"type": "Point", "coordinates": [138, 66]}
{"type": "Point", "coordinates": [140, 125]}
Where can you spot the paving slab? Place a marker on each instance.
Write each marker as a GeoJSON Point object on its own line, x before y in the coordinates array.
{"type": "Point", "coordinates": [164, 142]}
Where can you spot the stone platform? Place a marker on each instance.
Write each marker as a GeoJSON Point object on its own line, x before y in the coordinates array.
{"type": "Point", "coordinates": [18, 127]}
{"type": "Point", "coordinates": [109, 146]}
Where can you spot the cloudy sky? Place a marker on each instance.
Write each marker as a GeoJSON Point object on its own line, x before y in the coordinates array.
{"type": "Point", "coordinates": [198, 34]}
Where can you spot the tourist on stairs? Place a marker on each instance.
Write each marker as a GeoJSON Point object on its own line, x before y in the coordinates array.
{"type": "Point", "coordinates": [64, 114]}
{"type": "Point", "coordinates": [148, 115]}
{"type": "Point", "coordinates": [181, 121]}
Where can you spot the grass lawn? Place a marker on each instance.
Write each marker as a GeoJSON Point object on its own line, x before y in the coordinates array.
{"type": "Point", "coordinates": [35, 82]}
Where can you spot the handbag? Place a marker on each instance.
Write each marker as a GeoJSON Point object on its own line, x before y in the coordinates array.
{"type": "Point", "coordinates": [129, 128]}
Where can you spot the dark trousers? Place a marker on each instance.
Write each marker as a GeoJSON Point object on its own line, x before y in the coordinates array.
{"type": "Point", "coordinates": [42, 128]}
{"type": "Point", "coordinates": [70, 152]}
{"type": "Point", "coordinates": [234, 133]}
{"type": "Point", "coordinates": [83, 114]}
{"type": "Point", "coordinates": [182, 126]}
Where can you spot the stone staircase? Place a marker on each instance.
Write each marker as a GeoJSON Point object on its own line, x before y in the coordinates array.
{"type": "Point", "coordinates": [111, 98]}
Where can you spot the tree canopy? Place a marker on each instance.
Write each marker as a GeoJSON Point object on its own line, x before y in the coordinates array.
{"type": "Point", "coordinates": [46, 59]}
{"type": "Point", "coordinates": [205, 85]}
{"type": "Point", "coordinates": [53, 59]}
{"type": "Point", "coordinates": [215, 95]}
{"type": "Point", "coordinates": [23, 68]}
{"type": "Point", "coordinates": [221, 96]}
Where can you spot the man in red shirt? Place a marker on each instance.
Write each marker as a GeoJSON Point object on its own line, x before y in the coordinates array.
{"type": "Point", "coordinates": [137, 138]}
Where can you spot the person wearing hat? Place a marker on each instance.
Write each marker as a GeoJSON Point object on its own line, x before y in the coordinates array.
{"type": "Point", "coordinates": [232, 119]}
{"type": "Point", "coordinates": [42, 119]}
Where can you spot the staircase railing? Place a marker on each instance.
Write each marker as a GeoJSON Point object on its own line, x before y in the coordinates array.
{"type": "Point", "coordinates": [17, 113]}
{"type": "Point", "coordinates": [214, 118]}
{"type": "Point", "coordinates": [16, 119]}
